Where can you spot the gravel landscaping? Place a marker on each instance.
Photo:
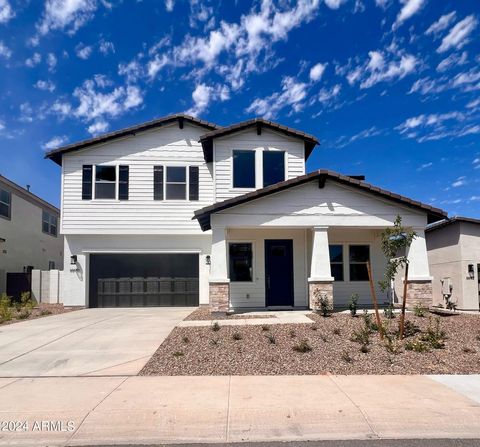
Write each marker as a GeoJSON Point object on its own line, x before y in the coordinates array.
{"type": "Point", "coordinates": [41, 310]}
{"type": "Point", "coordinates": [204, 314]}
{"type": "Point", "coordinates": [326, 346]}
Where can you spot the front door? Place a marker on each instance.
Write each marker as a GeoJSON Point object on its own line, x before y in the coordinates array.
{"type": "Point", "coordinates": [279, 272]}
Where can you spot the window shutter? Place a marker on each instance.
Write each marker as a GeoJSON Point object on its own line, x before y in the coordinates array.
{"type": "Point", "coordinates": [87, 175]}
{"type": "Point", "coordinates": [123, 182]}
{"type": "Point", "coordinates": [193, 180]}
{"type": "Point", "coordinates": [158, 183]}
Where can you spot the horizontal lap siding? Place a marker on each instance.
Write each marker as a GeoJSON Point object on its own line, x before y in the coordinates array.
{"type": "Point", "coordinates": [169, 146]}
{"type": "Point", "coordinates": [295, 162]}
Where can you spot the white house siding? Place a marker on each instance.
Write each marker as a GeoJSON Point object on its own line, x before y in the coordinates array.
{"type": "Point", "coordinates": [308, 206]}
{"type": "Point", "coordinates": [140, 214]}
{"type": "Point", "coordinates": [252, 294]}
{"type": "Point", "coordinates": [470, 249]}
{"type": "Point", "coordinates": [268, 140]}
{"type": "Point", "coordinates": [26, 244]}
{"type": "Point", "coordinates": [75, 283]}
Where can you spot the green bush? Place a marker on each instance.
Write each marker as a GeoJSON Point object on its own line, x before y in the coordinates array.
{"type": "Point", "coordinates": [5, 308]}
{"type": "Point", "coordinates": [361, 336]}
{"type": "Point", "coordinates": [27, 301]}
{"type": "Point", "coordinates": [302, 347]}
{"type": "Point", "coordinates": [271, 338]}
{"type": "Point", "coordinates": [24, 314]}
{"type": "Point", "coordinates": [346, 357]}
{"type": "Point", "coordinates": [434, 336]}
{"type": "Point", "coordinates": [389, 312]}
{"type": "Point", "coordinates": [352, 304]}
{"type": "Point", "coordinates": [416, 346]}
{"type": "Point", "coordinates": [419, 311]}
{"type": "Point", "coordinates": [237, 336]}
{"type": "Point", "coordinates": [215, 327]}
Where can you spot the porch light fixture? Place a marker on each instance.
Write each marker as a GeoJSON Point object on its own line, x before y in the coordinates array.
{"type": "Point", "coordinates": [208, 260]}
{"type": "Point", "coordinates": [73, 260]}
{"type": "Point", "coordinates": [471, 271]}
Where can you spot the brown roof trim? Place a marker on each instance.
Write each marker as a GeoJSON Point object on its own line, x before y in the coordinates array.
{"type": "Point", "coordinates": [203, 215]}
{"type": "Point", "coordinates": [450, 221]}
{"type": "Point", "coordinates": [27, 195]}
{"type": "Point", "coordinates": [56, 154]}
{"type": "Point", "coordinates": [207, 139]}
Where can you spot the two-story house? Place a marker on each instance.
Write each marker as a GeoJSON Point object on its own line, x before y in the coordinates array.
{"type": "Point", "coordinates": [28, 237]}
{"type": "Point", "coordinates": [179, 211]}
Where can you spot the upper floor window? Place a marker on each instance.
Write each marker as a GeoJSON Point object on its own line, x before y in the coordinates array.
{"type": "Point", "coordinates": [359, 256]}
{"type": "Point", "coordinates": [5, 203]}
{"type": "Point", "coordinates": [243, 169]}
{"type": "Point", "coordinates": [176, 184]}
{"type": "Point", "coordinates": [105, 182]}
{"type": "Point", "coordinates": [273, 167]}
{"type": "Point", "coordinates": [49, 223]}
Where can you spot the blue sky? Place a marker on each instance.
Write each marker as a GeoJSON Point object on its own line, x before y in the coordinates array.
{"type": "Point", "coordinates": [390, 87]}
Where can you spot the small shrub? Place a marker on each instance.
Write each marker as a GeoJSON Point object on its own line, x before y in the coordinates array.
{"type": "Point", "coordinates": [26, 301]}
{"type": "Point", "coordinates": [24, 314]}
{"type": "Point", "coordinates": [337, 331]}
{"type": "Point", "coordinates": [364, 349]}
{"type": "Point", "coordinates": [265, 327]}
{"type": "Point", "coordinates": [346, 357]}
{"type": "Point", "coordinates": [361, 336]}
{"type": "Point", "coordinates": [468, 350]}
{"type": "Point", "coordinates": [271, 338]}
{"type": "Point", "coordinates": [302, 347]}
{"type": "Point", "coordinates": [419, 311]}
{"type": "Point", "coordinates": [410, 329]}
{"type": "Point", "coordinates": [389, 312]}
{"type": "Point", "coordinates": [313, 327]}
{"type": "Point", "coordinates": [477, 337]}
{"type": "Point", "coordinates": [368, 321]}
{"type": "Point", "coordinates": [324, 338]}
{"type": "Point", "coordinates": [185, 339]}
{"type": "Point", "coordinates": [214, 341]}
{"type": "Point", "coordinates": [178, 354]}
{"type": "Point", "coordinates": [416, 346]}
{"type": "Point", "coordinates": [323, 304]}
{"type": "Point", "coordinates": [352, 304]}
{"type": "Point", "coordinates": [44, 312]}
{"type": "Point", "coordinates": [292, 333]}
{"type": "Point", "coordinates": [5, 308]}
{"type": "Point", "coordinates": [434, 336]}
{"type": "Point", "coordinates": [391, 343]}
{"type": "Point", "coordinates": [215, 327]}
{"type": "Point", "coordinates": [237, 336]}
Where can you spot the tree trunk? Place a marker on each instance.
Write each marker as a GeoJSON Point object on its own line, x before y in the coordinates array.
{"type": "Point", "coordinates": [404, 304]}
{"type": "Point", "coordinates": [374, 299]}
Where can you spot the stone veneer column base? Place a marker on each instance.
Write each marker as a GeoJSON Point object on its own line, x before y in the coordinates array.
{"type": "Point", "coordinates": [419, 293]}
{"type": "Point", "coordinates": [219, 297]}
{"type": "Point", "coordinates": [316, 289]}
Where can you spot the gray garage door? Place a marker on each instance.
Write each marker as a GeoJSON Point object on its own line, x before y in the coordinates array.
{"type": "Point", "coordinates": [143, 280]}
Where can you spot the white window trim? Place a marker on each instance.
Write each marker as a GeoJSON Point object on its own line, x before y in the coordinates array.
{"type": "Point", "coordinates": [257, 173]}
{"type": "Point", "coordinates": [242, 241]}
{"type": "Point", "coordinates": [356, 244]}
{"type": "Point", "coordinates": [187, 185]}
{"type": "Point", "coordinates": [49, 223]}
{"type": "Point", "coordinates": [9, 217]}
{"type": "Point", "coordinates": [285, 167]}
{"type": "Point", "coordinates": [94, 183]}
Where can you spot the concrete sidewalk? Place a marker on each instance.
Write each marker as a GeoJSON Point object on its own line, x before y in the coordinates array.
{"type": "Point", "coordinates": [152, 410]}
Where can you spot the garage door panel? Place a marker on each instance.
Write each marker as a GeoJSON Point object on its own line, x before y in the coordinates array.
{"type": "Point", "coordinates": [120, 280]}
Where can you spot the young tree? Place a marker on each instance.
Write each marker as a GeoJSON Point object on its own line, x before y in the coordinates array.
{"type": "Point", "coordinates": [395, 243]}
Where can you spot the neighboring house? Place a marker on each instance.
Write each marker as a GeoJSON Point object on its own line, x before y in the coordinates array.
{"type": "Point", "coordinates": [28, 236]}
{"type": "Point", "coordinates": [454, 256]}
{"type": "Point", "coordinates": [179, 211]}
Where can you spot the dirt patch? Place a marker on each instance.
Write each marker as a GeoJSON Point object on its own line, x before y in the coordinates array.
{"type": "Point", "coordinates": [323, 347]}
{"type": "Point", "coordinates": [204, 314]}
{"type": "Point", "coordinates": [40, 311]}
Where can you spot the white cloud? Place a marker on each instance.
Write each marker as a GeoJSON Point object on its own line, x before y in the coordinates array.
{"type": "Point", "coordinates": [461, 181]}
{"type": "Point", "coordinates": [384, 4]}
{"type": "Point", "coordinates": [83, 51]}
{"type": "Point", "coordinates": [132, 71]}
{"type": "Point", "coordinates": [45, 85]}
{"type": "Point", "coordinates": [442, 23]}
{"type": "Point", "coordinates": [98, 127]}
{"type": "Point", "coordinates": [51, 62]}
{"type": "Point", "coordinates": [454, 60]}
{"type": "Point", "coordinates": [316, 72]}
{"type": "Point", "coordinates": [366, 133]}
{"type": "Point", "coordinates": [204, 94]}
{"type": "Point", "coordinates": [325, 95]}
{"type": "Point", "coordinates": [334, 4]}
{"type": "Point", "coordinates": [425, 166]}
{"type": "Point", "coordinates": [169, 5]}
{"type": "Point", "coordinates": [473, 105]}
{"type": "Point", "coordinates": [409, 9]}
{"type": "Point", "coordinates": [201, 14]}
{"type": "Point", "coordinates": [55, 142]}
{"type": "Point", "coordinates": [5, 52]}
{"type": "Point", "coordinates": [106, 47]}
{"type": "Point", "coordinates": [61, 109]}
{"type": "Point", "coordinates": [292, 95]}
{"type": "Point", "coordinates": [34, 60]}
{"type": "Point", "coordinates": [458, 36]}
{"type": "Point", "coordinates": [6, 11]}
{"type": "Point", "coordinates": [67, 15]}
{"type": "Point", "coordinates": [156, 64]}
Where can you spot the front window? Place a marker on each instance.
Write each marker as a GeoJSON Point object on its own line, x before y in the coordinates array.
{"type": "Point", "coordinates": [176, 185]}
{"type": "Point", "coordinates": [243, 169]}
{"type": "Point", "coordinates": [49, 223]}
{"type": "Point", "coordinates": [241, 266]}
{"type": "Point", "coordinates": [336, 261]}
{"type": "Point", "coordinates": [273, 167]}
{"type": "Point", "coordinates": [105, 182]}
{"type": "Point", "coordinates": [5, 203]}
{"type": "Point", "coordinates": [359, 256]}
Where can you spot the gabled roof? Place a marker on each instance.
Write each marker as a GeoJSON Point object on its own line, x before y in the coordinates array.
{"type": "Point", "coordinates": [27, 195]}
{"type": "Point", "coordinates": [450, 221]}
{"type": "Point", "coordinates": [322, 175]}
{"type": "Point", "coordinates": [56, 154]}
{"type": "Point", "coordinates": [207, 139]}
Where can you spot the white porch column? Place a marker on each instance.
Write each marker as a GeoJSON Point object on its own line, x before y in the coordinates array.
{"type": "Point", "coordinates": [419, 287]}
{"type": "Point", "coordinates": [320, 282]}
{"type": "Point", "coordinates": [219, 287]}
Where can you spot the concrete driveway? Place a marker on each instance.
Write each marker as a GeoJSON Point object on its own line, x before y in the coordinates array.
{"type": "Point", "coordinates": [90, 342]}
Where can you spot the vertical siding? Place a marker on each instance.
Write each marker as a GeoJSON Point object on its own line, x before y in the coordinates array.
{"type": "Point", "coordinates": [140, 214]}
{"type": "Point", "coordinates": [268, 140]}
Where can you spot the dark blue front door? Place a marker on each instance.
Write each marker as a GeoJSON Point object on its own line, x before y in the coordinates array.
{"type": "Point", "coordinates": [279, 272]}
